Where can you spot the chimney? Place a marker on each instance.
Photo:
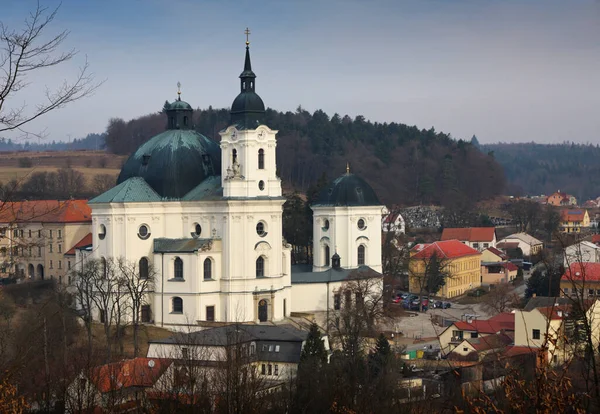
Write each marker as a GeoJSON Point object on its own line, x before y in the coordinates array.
{"type": "Point", "coordinates": [534, 295]}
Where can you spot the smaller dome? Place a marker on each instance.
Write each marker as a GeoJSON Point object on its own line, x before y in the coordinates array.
{"type": "Point", "coordinates": [180, 105]}
{"type": "Point", "coordinates": [348, 190]}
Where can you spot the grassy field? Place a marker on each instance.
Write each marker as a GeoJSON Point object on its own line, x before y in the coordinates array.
{"type": "Point", "coordinates": [147, 333]}
{"type": "Point", "coordinates": [18, 165]}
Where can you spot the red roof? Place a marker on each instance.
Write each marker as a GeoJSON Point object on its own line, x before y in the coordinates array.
{"type": "Point", "coordinates": [554, 312]}
{"type": "Point", "coordinates": [585, 271]}
{"type": "Point", "coordinates": [520, 350]}
{"type": "Point", "coordinates": [46, 211]}
{"type": "Point", "coordinates": [572, 215]}
{"type": "Point", "coordinates": [596, 238]}
{"type": "Point", "coordinates": [497, 252]}
{"type": "Point", "coordinates": [138, 372]}
{"type": "Point", "coordinates": [511, 267]}
{"type": "Point", "coordinates": [472, 234]}
{"type": "Point", "coordinates": [86, 241]}
{"type": "Point", "coordinates": [484, 343]}
{"type": "Point", "coordinates": [448, 249]}
{"type": "Point", "coordinates": [502, 321]}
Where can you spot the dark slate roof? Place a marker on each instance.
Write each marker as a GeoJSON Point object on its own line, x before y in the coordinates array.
{"type": "Point", "coordinates": [546, 301]}
{"type": "Point", "coordinates": [173, 162]}
{"type": "Point", "coordinates": [209, 189]}
{"type": "Point", "coordinates": [287, 337]}
{"type": "Point", "coordinates": [332, 275]}
{"type": "Point", "coordinates": [180, 105]}
{"type": "Point", "coordinates": [163, 245]}
{"type": "Point", "coordinates": [247, 110]}
{"type": "Point", "coordinates": [132, 190]}
{"type": "Point", "coordinates": [348, 190]}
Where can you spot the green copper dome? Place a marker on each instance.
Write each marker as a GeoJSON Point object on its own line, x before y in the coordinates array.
{"type": "Point", "coordinates": [349, 190]}
{"type": "Point", "coordinates": [180, 105]}
{"type": "Point", "coordinates": [174, 162]}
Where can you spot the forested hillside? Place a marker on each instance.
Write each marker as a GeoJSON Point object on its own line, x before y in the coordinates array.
{"type": "Point", "coordinates": [405, 165]}
{"type": "Point", "coordinates": [544, 168]}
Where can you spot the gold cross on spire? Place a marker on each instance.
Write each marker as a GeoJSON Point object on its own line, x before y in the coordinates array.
{"type": "Point", "coordinates": [179, 90]}
{"type": "Point", "coordinates": [347, 168]}
{"type": "Point", "coordinates": [247, 33]}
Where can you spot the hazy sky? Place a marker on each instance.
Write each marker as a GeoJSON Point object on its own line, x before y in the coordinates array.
{"type": "Point", "coordinates": [505, 70]}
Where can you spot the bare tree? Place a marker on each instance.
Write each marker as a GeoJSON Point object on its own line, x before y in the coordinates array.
{"type": "Point", "coordinates": [501, 298]}
{"type": "Point", "coordinates": [82, 285]}
{"type": "Point", "coordinates": [429, 274]}
{"type": "Point", "coordinates": [26, 52]}
{"type": "Point", "coordinates": [137, 282]}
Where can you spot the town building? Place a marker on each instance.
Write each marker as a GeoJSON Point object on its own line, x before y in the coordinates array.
{"type": "Point", "coordinates": [581, 280]}
{"type": "Point", "coordinates": [584, 251]}
{"type": "Point", "coordinates": [574, 221]}
{"type": "Point", "coordinates": [475, 349]}
{"type": "Point", "coordinates": [529, 245]}
{"type": "Point", "coordinates": [493, 273]}
{"type": "Point", "coordinates": [461, 263]}
{"type": "Point", "coordinates": [561, 199]}
{"type": "Point", "coordinates": [479, 238]}
{"type": "Point", "coordinates": [493, 255]}
{"type": "Point", "coordinates": [207, 218]}
{"type": "Point", "coordinates": [35, 235]}
{"type": "Point", "coordinates": [393, 222]}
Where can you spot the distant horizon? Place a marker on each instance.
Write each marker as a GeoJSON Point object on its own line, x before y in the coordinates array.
{"type": "Point", "coordinates": [512, 71]}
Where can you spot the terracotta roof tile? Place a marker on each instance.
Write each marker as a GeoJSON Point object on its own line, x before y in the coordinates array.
{"type": "Point", "coordinates": [136, 372]}
{"type": "Point", "coordinates": [503, 321]}
{"type": "Point", "coordinates": [520, 350]}
{"type": "Point", "coordinates": [582, 272]}
{"type": "Point", "coordinates": [46, 211]}
{"type": "Point", "coordinates": [495, 341]}
{"type": "Point", "coordinates": [497, 252]}
{"type": "Point", "coordinates": [472, 234]}
{"type": "Point", "coordinates": [86, 241]}
{"type": "Point", "coordinates": [448, 249]}
{"type": "Point", "coordinates": [572, 215]}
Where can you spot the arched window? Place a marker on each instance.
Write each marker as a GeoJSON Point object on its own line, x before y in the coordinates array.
{"type": "Point", "coordinates": [177, 305]}
{"type": "Point", "coordinates": [144, 268]}
{"type": "Point", "coordinates": [327, 255]}
{"type": "Point", "coordinates": [178, 268]}
{"type": "Point", "coordinates": [260, 267]}
{"type": "Point", "coordinates": [233, 156]}
{"type": "Point", "coordinates": [207, 269]}
{"type": "Point", "coordinates": [361, 255]}
{"type": "Point", "coordinates": [261, 159]}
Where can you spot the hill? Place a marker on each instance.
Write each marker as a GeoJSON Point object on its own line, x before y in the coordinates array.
{"type": "Point", "coordinates": [404, 164]}
{"type": "Point", "coordinates": [533, 169]}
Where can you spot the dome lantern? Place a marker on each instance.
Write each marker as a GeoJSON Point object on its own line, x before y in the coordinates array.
{"type": "Point", "coordinates": [179, 113]}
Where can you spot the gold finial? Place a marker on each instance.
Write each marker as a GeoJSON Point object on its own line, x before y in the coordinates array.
{"type": "Point", "coordinates": [247, 33]}
{"type": "Point", "coordinates": [347, 168]}
{"type": "Point", "coordinates": [179, 91]}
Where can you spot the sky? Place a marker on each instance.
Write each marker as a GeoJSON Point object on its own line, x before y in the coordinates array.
{"type": "Point", "coordinates": [503, 70]}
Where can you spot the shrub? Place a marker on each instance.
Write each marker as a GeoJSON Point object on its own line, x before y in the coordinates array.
{"type": "Point", "coordinates": [25, 162]}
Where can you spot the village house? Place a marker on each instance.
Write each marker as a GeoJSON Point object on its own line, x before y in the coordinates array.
{"type": "Point", "coordinates": [556, 327]}
{"type": "Point", "coordinates": [493, 255]}
{"type": "Point", "coordinates": [561, 199]}
{"type": "Point", "coordinates": [475, 349]}
{"type": "Point", "coordinates": [393, 222]}
{"type": "Point", "coordinates": [479, 238]}
{"type": "Point", "coordinates": [573, 221]}
{"type": "Point", "coordinates": [529, 245]}
{"type": "Point", "coordinates": [35, 235]}
{"type": "Point", "coordinates": [583, 251]}
{"type": "Point", "coordinates": [461, 262]}
{"type": "Point", "coordinates": [581, 279]}
{"type": "Point", "coordinates": [456, 333]}
{"type": "Point", "coordinates": [493, 273]}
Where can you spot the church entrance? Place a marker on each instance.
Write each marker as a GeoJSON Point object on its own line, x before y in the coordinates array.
{"type": "Point", "coordinates": [263, 310]}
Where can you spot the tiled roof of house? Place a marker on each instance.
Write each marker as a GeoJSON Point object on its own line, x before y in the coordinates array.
{"type": "Point", "coordinates": [511, 267]}
{"type": "Point", "coordinates": [138, 372]}
{"type": "Point", "coordinates": [497, 252]}
{"type": "Point", "coordinates": [507, 245]}
{"type": "Point", "coordinates": [495, 341]}
{"type": "Point", "coordinates": [572, 215]}
{"type": "Point", "coordinates": [449, 249]}
{"type": "Point", "coordinates": [524, 237]}
{"type": "Point", "coordinates": [554, 312]}
{"type": "Point", "coordinates": [596, 239]}
{"type": "Point", "coordinates": [46, 211]}
{"type": "Point", "coordinates": [586, 271]}
{"type": "Point", "coordinates": [502, 321]}
{"type": "Point", "coordinates": [86, 241]}
{"type": "Point", "coordinates": [519, 350]}
{"type": "Point", "coordinates": [545, 301]}
{"type": "Point", "coordinates": [472, 234]}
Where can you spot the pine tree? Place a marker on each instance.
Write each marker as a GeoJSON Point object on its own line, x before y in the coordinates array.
{"type": "Point", "coordinates": [314, 348]}
{"type": "Point", "coordinates": [380, 358]}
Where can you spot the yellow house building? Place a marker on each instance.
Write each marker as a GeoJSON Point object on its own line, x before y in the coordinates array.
{"type": "Point", "coordinates": [572, 221]}
{"type": "Point", "coordinates": [461, 263]}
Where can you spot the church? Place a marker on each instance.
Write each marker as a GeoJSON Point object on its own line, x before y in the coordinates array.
{"type": "Point", "coordinates": [206, 218]}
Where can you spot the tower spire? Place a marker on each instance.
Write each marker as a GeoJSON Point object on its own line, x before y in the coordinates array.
{"type": "Point", "coordinates": [179, 91]}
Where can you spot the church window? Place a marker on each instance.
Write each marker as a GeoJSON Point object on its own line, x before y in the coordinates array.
{"type": "Point", "coordinates": [260, 267]}
{"type": "Point", "coordinates": [197, 230]}
{"type": "Point", "coordinates": [261, 159]}
{"type": "Point", "coordinates": [177, 305]}
{"type": "Point", "coordinates": [143, 232]}
{"type": "Point", "coordinates": [327, 255]}
{"type": "Point", "coordinates": [144, 268]}
{"type": "Point", "coordinates": [207, 269]}
{"type": "Point", "coordinates": [102, 232]}
{"type": "Point", "coordinates": [234, 156]}
{"type": "Point", "coordinates": [260, 229]}
{"type": "Point", "coordinates": [361, 255]}
{"type": "Point", "coordinates": [210, 313]}
{"type": "Point", "coordinates": [362, 224]}
{"type": "Point", "coordinates": [326, 225]}
{"type": "Point", "coordinates": [261, 185]}
{"type": "Point", "coordinates": [337, 301]}
{"type": "Point", "coordinates": [178, 268]}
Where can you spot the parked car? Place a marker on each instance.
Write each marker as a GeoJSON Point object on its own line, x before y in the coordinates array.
{"type": "Point", "coordinates": [442, 305]}
{"type": "Point", "coordinates": [397, 299]}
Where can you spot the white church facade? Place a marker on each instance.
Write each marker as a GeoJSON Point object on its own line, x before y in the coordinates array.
{"type": "Point", "coordinates": [207, 218]}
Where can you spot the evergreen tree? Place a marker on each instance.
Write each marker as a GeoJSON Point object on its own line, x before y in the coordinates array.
{"type": "Point", "coordinates": [314, 348]}
{"type": "Point", "coordinates": [379, 359]}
